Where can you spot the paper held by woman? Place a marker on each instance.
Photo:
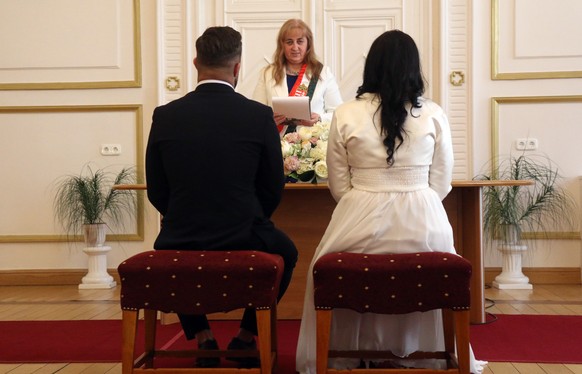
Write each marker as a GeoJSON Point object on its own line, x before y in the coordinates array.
{"type": "Point", "coordinates": [297, 107]}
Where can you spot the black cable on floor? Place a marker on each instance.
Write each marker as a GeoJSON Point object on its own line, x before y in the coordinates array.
{"type": "Point", "coordinates": [489, 318]}
{"type": "Point", "coordinates": [491, 303]}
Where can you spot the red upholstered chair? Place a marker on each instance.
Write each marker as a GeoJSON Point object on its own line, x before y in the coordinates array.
{"type": "Point", "coordinates": [198, 282]}
{"type": "Point", "coordinates": [395, 284]}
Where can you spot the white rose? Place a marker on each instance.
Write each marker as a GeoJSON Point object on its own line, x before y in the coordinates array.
{"type": "Point", "coordinates": [306, 165]}
{"type": "Point", "coordinates": [317, 153]}
{"type": "Point", "coordinates": [305, 132]}
{"type": "Point", "coordinates": [286, 148]}
{"type": "Point", "coordinates": [316, 131]}
{"type": "Point", "coordinates": [321, 169]}
{"type": "Point", "coordinates": [323, 130]}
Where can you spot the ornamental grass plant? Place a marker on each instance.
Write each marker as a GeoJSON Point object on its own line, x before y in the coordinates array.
{"type": "Point", "coordinates": [544, 206]}
{"type": "Point", "coordinates": [88, 198]}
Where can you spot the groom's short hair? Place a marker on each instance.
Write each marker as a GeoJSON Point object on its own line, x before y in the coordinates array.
{"type": "Point", "coordinates": [218, 46]}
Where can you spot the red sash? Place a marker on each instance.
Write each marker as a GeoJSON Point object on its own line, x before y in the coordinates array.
{"type": "Point", "coordinates": [298, 89]}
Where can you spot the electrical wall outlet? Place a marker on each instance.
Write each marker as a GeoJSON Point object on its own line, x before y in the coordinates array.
{"type": "Point", "coordinates": [526, 144]}
{"type": "Point", "coordinates": [110, 149]}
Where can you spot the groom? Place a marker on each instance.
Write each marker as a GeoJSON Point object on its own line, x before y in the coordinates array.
{"type": "Point", "coordinates": [214, 170]}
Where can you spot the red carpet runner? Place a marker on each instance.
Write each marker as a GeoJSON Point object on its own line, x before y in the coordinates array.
{"type": "Point", "coordinates": [513, 338]}
{"type": "Point", "coordinates": [529, 338]}
{"type": "Point", "coordinates": [100, 341]}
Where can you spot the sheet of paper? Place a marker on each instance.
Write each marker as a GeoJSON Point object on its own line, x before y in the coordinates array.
{"type": "Point", "coordinates": [293, 107]}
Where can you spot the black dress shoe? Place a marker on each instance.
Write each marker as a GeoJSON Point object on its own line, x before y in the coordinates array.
{"type": "Point", "coordinates": [241, 345]}
{"type": "Point", "coordinates": [208, 362]}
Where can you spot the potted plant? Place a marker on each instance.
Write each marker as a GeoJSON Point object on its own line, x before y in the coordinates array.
{"type": "Point", "coordinates": [87, 204]}
{"type": "Point", "coordinates": [508, 211]}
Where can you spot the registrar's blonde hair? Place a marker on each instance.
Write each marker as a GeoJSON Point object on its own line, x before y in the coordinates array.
{"type": "Point", "coordinates": [313, 65]}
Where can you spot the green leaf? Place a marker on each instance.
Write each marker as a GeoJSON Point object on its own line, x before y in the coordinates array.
{"type": "Point", "coordinates": [307, 176]}
{"type": "Point", "coordinates": [541, 207]}
{"type": "Point", "coordinates": [89, 198]}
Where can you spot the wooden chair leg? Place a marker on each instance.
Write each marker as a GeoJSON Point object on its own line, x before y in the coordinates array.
{"type": "Point", "coordinates": [449, 330]}
{"type": "Point", "coordinates": [323, 330]}
{"type": "Point", "coordinates": [462, 320]}
{"type": "Point", "coordinates": [128, 332]}
{"type": "Point", "coordinates": [265, 347]}
{"type": "Point", "coordinates": [149, 319]}
{"type": "Point", "coordinates": [274, 337]}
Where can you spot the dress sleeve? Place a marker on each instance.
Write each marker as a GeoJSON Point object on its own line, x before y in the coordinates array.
{"type": "Point", "coordinates": [332, 96]}
{"type": "Point", "coordinates": [260, 93]}
{"type": "Point", "coordinates": [337, 163]}
{"type": "Point", "coordinates": [441, 170]}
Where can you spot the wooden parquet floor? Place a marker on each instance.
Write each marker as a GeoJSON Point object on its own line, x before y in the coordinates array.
{"type": "Point", "coordinates": [19, 303]}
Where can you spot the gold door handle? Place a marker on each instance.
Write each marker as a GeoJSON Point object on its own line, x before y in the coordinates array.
{"type": "Point", "coordinates": [172, 83]}
{"type": "Point", "coordinates": [457, 78]}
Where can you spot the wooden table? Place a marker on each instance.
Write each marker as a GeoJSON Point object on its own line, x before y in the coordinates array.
{"type": "Point", "coordinates": [306, 209]}
{"type": "Point", "coordinates": [464, 209]}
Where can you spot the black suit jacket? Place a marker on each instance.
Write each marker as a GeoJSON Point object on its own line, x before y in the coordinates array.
{"type": "Point", "coordinates": [214, 169]}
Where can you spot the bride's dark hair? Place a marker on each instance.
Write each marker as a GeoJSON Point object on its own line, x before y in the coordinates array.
{"type": "Point", "coordinates": [392, 72]}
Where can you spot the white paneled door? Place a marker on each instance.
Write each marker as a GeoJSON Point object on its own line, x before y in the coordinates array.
{"type": "Point", "coordinates": [343, 32]}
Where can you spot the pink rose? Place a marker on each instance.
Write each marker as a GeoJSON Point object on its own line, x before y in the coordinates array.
{"type": "Point", "coordinates": [292, 137]}
{"type": "Point", "coordinates": [291, 163]}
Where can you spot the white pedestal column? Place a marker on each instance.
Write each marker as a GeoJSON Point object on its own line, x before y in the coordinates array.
{"type": "Point", "coordinates": [511, 277]}
{"type": "Point", "coordinates": [97, 276]}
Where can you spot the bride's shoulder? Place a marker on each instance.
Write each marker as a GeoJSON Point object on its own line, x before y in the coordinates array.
{"type": "Point", "coordinates": [429, 106]}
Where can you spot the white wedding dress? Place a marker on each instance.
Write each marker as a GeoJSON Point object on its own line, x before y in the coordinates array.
{"type": "Point", "coordinates": [383, 210]}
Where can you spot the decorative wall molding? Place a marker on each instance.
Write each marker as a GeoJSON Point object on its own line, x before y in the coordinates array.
{"type": "Point", "coordinates": [343, 32]}
{"type": "Point", "coordinates": [518, 103]}
{"type": "Point", "coordinates": [172, 50]}
{"type": "Point", "coordinates": [20, 188]}
{"type": "Point", "coordinates": [517, 54]}
{"type": "Point", "coordinates": [93, 46]}
{"type": "Point", "coordinates": [458, 99]}
{"type": "Point", "coordinates": [47, 277]}
{"type": "Point", "coordinates": [347, 38]}
{"type": "Point", "coordinates": [497, 101]}
{"type": "Point", "coordinates": [264, 6]}
{"type": "Point", "coordinates": [58, 277]}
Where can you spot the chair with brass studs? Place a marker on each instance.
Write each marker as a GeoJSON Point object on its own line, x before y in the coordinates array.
{"type": "Point", "coordinates": [404, 283]}
{"type": "Point", "coordinates": [198, 282]}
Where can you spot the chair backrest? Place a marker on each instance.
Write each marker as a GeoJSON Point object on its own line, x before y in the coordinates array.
{"type": "Point", "coordinates": [392, 283]}
{"type": "Point", "coordinates": [200, 282]}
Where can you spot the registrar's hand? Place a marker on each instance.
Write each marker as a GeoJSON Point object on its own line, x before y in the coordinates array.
{"type": "Point", "coordinates": [279, 118]}
{"type": "Point", "coordinates": [314, 119]}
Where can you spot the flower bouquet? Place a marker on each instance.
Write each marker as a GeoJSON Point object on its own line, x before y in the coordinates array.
{"type": "Point", "coordinates": [304, 153]}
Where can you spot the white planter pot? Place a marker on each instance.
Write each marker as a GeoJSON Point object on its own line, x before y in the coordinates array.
{"type": "Point", "coordinates": [512, 277]}
{"type": "Point", "coordinates": [94, 234]}
{"type": "Point", "coordinates": [97, 276]}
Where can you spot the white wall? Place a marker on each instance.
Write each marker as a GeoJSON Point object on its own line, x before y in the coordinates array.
{"type": "Point", "coordinates": [555, 125]}
{"type": "Point", "coordinates": [36, 147]}
{"type": "Point", "coordinates": [54, 115]}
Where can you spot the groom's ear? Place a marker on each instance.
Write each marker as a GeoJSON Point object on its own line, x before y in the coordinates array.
{"type": "Point", "coordinates": [236, 69]}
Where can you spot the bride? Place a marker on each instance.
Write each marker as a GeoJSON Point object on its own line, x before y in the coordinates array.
{"type": "Point", "coordinates": [390, 164]}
